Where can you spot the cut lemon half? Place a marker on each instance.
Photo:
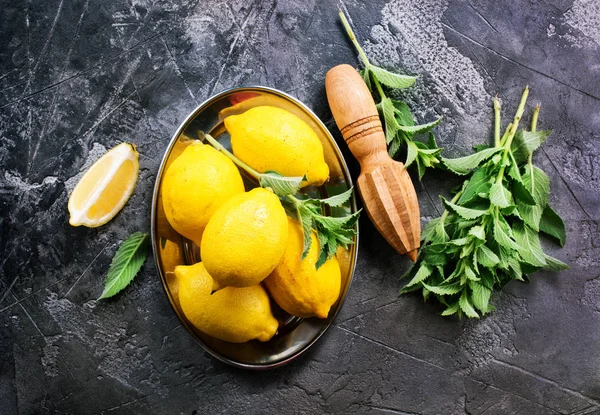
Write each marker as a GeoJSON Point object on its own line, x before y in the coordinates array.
{"type": "Point", "coordinates": [105, 188]}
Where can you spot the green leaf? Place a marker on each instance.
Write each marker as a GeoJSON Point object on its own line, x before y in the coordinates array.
{"type": "Point", "coordinates": [390, 79]}
{"type": "Point", "coordinates": [478, 232]}
{"type": "Point", "coordinates": [466, 307]}
{"type": "Point", "coordinates": [423, 272]}
{"type": "Point", "coordinates": [305, 218]}
{"type": "Point", "coordinates": [522, 193]}
{"type": "Point", "coordinates": [487, 257]}
{"type": "Point", "coordinates": [411, 153]}
{"type": "Point", "coordinates": [552, 224]}
{"type": "Point", "coordinates": [526, 142]}
{"type": "Point", "coordinates": [435, 232]}
{"type": "Point", "coordinates": [444, 289]}
{"type": "Point", "coordinates": [402, 113]}
{"type": "Point", "coordinates": [531, 215]}
{"type": "Point", "coordinates": [337, 200]}
{"type": "Point", "coordinates": [420, 129]}
{"type": "Point", "coordinates": [281, 185]}
{"type": "Point", "coordinates": [553, 264]}
{"type": "Point", "coordinates": [464, 165]}
{"type": "Point", "coordinates": [391, 125]}
{"type": "Point", "coordinates": [538, 183]}
{"type": "Point", "coordinates": [435, 254]}
{"type": "Point", "coordinates": [126, 263]}
{"type": "Point", "coordinates": [480, 296]}
{"type": "Point", "coordinates": [502, 236]}
{"type": "Point", "coordinates": [453, 309]}
{"type": "Point", "coordinates": [477, 184]}
{"type": "Point", "coordinates": [529, 241]}
{"type": "Point", "coordinates": [463, 212]}
{"type": "Point", "coordinates": [500, 196]}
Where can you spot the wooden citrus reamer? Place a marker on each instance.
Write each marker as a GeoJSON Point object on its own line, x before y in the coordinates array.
{"type": "Point", "coordinates": [386, 189]}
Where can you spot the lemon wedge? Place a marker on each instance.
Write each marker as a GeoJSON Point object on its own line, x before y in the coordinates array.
{"type": "Point", "coordinates": [105, 188]}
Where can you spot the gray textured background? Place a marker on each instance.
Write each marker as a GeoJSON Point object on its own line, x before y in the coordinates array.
{"type": "Point", "coordinates": [78, 77]}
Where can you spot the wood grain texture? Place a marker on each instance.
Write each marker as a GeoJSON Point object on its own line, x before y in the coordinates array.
{"type": "Point", "coordinates": [384, 185]}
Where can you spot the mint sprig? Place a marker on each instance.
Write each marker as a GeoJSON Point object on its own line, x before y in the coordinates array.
{"type": "Point", "coordinates": [489, 233]}
{"type": "Point", "coordinates": [126, 263]}
{"type": "Point", "coordinates": [332, 231]}
{"type": "Point", "coordinates": [400, 127]}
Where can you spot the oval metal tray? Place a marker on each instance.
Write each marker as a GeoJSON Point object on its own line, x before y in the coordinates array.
{"type": "Point", "coordinates": [170, 249]}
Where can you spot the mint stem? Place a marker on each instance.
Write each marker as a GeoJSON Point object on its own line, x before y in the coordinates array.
{"type": "Point", "coordinates": [497, 121]}
{"type": "Point", "coordinates": [534, 120]}
{"type": "Point", "coordinates": [379, 88]}
{"type": "Point", "coordinates": [511, 133]}
{"type": "Point", "coordinates": [232, 157]}
{"type": "Point", "coordinates": [350, 32]}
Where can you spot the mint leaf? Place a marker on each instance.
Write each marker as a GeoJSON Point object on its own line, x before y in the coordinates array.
{"type": "Point", "coordinates": [402, 113]}
{"type": "Point", "coordinates": [466, 307]}
{"type": "Point", "coordinates": [391, 79]}
{"type": "Point", "coordinates": [531, 215]}
{"type": "Point", "coordinates": [480, 296]}
{"type": "Point", "coordinates": [305, 218]}
{"type": "Point", "coordinates": [538, 183]}
{"type": "Point", "coordinates": [526, 142]}
{"type": "Point", "coordinates": [423, 272]}
{"type": "Point", "coordinates": [553, 264]}
{"type": "Point", "coordinates": [487, 257]}
{"type": "Point", "coordinates": [464, 165]}
{"type": "Point", "coordinates": [420, 129]}
{"type": "Point", "coordinates": [478, 184]}
{"type": "Point", "coordinates": [463, 212]}
{"type": "Point", "coordinates": [337, 200]}
{"type": "Point", "coordinates": [521, 193]}
{"type": "Point", "coordinates": [552, 224]}
{"type": "Point", "coordinates": [281, 185]}
{"type": "Point", "coordinates": [529, 241]}
{"type": "Point", "coordinates": [500, 196]}
{"type": "Point", "coordinates": [453, 309]}
{"type": "Point", "coordinates": [478, 232]}
{"type": "Point", "coordinates": [411, 153]}
{"type": "Point", "coordinates": [391, 125]}
{"type": "Point", "coordinates": [444, 289]}
{"type": "Point", "coordinates": [126, 263]}
{"type": "Point", "coordinates": [501, 235]}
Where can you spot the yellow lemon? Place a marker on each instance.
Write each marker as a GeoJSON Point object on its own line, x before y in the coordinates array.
{"type": "Point", "coordinates": [105, 188]}
{"type": "Point", "coordinates": [271, 138]}
{"type": "Point", "coordinates": [195, 185]}
{"type": "Point", "coordinates": [232, 314]}
{"type": "Point", "coordinates": [297, 286]}
{"type": "Point", "coordinates": [245, 238]}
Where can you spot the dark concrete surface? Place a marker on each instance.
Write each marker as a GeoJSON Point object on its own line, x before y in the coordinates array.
{"type": "Point", "coordinates": [78, 77]}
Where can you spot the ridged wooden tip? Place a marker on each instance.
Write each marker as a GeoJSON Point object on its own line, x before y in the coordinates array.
{"type": "Point", "coordinates": [412, 255]}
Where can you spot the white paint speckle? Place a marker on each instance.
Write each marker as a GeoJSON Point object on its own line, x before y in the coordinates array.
{"type": "Point", "coordinates": [584, 16]}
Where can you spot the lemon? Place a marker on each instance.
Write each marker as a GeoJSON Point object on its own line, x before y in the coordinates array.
{"type": "Point", "coordinates": [105, 188]}
{"type": "Point", "coordinates": [271, 138]}
{"type": "Point", "coordinates": [232, 314]}
{"type": "Point", "coordinates": [297, 286]}
{"type": "Point", "coordinates": [245, 238]}
{"type": "Point", "coordinates": [195, 185]}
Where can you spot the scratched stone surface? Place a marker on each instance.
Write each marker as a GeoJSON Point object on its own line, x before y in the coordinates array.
{"type": "Point", "coordinates": [78, 77]}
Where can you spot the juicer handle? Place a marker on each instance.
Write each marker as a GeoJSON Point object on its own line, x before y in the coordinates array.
{"type": "Point", "coordinates": [356, 116]}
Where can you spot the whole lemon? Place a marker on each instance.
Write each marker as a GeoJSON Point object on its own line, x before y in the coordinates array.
{"type": "Point", "coordinates": [245, 238]}
{"type": "Point", "coordinates": [235, 315]}
{"type": "Point", "coordinates": [271, 138]}
{"type": "Point", "coordinates": [297, 286]}
{"type": "Point", "coordinates": [199, 181]}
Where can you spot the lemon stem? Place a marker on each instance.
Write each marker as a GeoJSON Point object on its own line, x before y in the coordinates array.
{"type": "Point", "coordinates": [229, 154]}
